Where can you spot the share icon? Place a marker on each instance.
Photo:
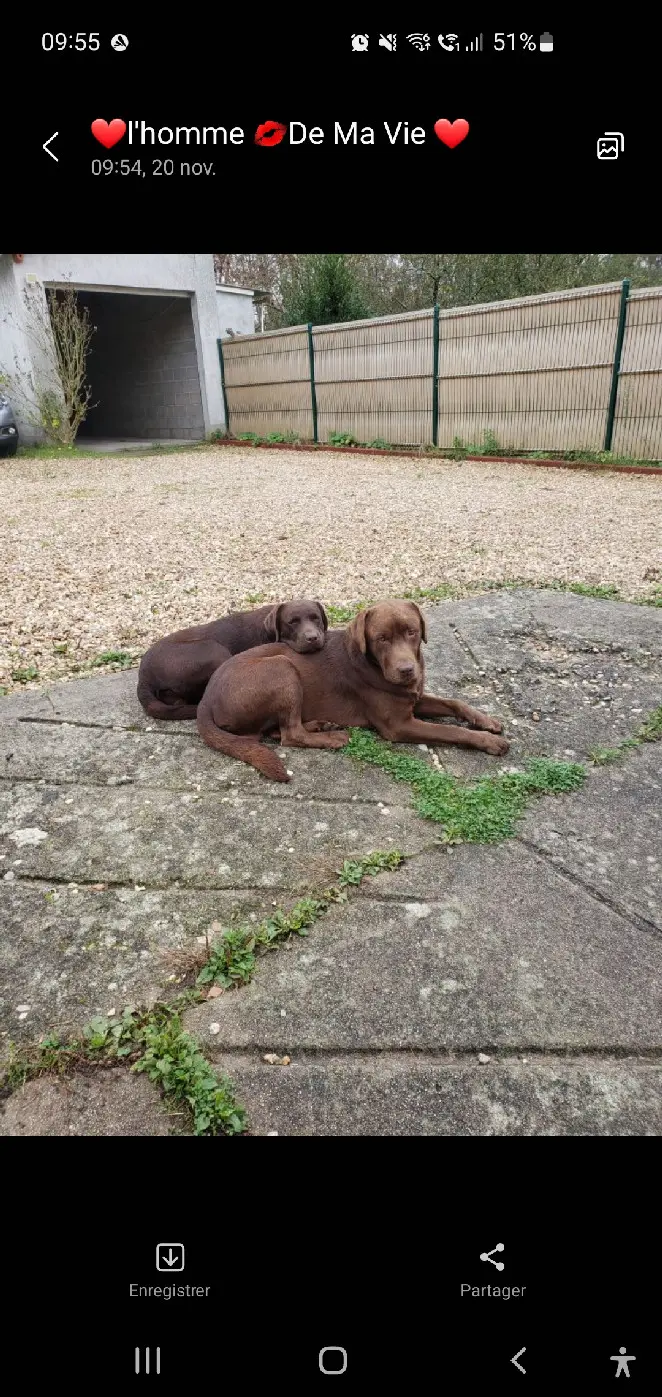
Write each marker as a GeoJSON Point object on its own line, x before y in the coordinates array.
{"type": "Point", "coordinates": [487, 1256]}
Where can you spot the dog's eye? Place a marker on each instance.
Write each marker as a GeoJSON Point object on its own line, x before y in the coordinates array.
{"type": "Point", "coordinates": [412, 632]}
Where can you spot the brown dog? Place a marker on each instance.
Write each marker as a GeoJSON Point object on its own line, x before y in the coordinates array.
{"type": "Point", "coordinates": [174, 673]}
{"type": "Point", "coordinates": [367, 676]}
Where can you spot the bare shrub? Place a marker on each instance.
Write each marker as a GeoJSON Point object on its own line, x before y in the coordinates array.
{"type": "Point", "coordinates": [54, 394]}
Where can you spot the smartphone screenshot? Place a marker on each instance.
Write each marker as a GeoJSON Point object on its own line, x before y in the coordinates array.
{"type": "Point", "coordinates": [331, 700]}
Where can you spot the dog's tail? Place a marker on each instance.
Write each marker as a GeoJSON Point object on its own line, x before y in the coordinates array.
{"type": "Point", "coordinates": [246, 748]}
{"type": "Point", "coordinates": [154, 708]}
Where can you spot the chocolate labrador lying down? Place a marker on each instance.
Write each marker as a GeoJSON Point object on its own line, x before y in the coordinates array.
{"type": "Point", "coordinates": [367, 676]}
{"type": "Point", "coordinates": [174, 673]}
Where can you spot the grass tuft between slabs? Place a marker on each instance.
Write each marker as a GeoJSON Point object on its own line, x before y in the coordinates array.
{"type": "Point", "coordinates": [477, 812]}
{"type": "Point", "coordinates": [650, 731]}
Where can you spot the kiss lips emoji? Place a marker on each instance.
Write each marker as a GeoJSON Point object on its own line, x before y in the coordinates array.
{"type": "Point", "coordinates": [270, 133]}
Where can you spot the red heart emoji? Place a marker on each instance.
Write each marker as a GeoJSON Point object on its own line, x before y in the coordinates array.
{"type": "Point", "coordinates": [109, 133]}
{"type": "Point", "coordinates": [451, 132]}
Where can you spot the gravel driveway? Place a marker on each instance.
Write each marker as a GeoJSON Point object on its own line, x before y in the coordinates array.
{"type": "Point", "coordinates": [106, 554]}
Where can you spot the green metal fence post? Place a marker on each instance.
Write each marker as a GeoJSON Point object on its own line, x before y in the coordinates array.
{"type": "Point", "coordinates": [313, 394]}
{"type": "Point", "coordinates": [435, 377]}
{"type": "Point", "coordinates": [225, 395]}
{"type": "Point", "coordinates": [618, 352]}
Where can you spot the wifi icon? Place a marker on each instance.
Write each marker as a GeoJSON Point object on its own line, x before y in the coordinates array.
{"type": "Point", "coordinates": [419, 41]}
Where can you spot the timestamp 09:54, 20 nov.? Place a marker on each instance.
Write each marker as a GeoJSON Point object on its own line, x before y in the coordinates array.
{"type": "Point", "coordinates": [141, 168]}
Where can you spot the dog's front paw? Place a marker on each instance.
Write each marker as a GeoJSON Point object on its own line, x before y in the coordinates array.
{"type": "Point", "coordinates": [335, 740]}
{"type": "Point", "coordinates": [487, 724]}
{"type": "Point", "coordinates": [496, 746]}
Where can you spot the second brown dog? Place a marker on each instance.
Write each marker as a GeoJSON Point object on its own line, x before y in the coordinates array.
{"type": "Point", "coordinates": [175, 671]}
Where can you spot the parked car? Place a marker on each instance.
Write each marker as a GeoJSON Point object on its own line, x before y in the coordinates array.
{"type": "Point", "coordinates": [8, 428]}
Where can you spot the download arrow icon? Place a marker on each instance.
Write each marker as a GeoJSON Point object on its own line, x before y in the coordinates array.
{"type": "Point", "coordinates": [170, 1256]}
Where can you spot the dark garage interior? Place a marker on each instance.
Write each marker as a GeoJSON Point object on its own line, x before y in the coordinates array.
{"type": "Point", "coordinates": [142, 369]}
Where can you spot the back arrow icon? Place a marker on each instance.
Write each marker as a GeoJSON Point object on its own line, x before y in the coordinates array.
{"type": "Point", "coordinates": [46, 145]}
{"type": "Point", "coordinates": [514, 1360]}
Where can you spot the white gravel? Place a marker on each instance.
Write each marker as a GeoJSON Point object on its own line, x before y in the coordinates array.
{"type": "Point", "coordinates": [109, 553]}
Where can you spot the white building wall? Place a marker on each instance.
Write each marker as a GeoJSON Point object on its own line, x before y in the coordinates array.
{"type": "Point", "coordinates": [187, 274]}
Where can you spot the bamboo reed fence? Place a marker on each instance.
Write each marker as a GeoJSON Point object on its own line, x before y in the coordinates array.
{"type": "Point", "coordinates": [573, 370]}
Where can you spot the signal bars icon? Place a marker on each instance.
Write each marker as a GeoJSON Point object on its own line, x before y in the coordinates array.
{"type": "Point", "coordinates": [476, 45]}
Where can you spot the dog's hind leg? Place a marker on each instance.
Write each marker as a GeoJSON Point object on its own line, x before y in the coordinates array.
{"type": "Point", "coordinates": [281, 683]}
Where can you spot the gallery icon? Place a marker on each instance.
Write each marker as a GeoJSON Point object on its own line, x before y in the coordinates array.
{"type": "Point", "coordinates": [610, 145]}
{"type": "Point", "coordinates": [170, 1256]}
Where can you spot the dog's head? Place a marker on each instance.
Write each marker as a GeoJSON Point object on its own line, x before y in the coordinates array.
{"type": "Point", "coordinates": [390, 635]}
{"type": "Point", "coordinates": [299, 624]}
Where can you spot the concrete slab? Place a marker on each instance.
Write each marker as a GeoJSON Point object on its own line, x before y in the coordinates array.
{"type": "Point", "coordinates": [70, 953]}
{"type": "Point", "coordinates": [106, 700]}
{"type": "Point", "coordinates": [611, 841]}
{"type": "Point", "coordinates": [68, 754]}
{"type": "Point", "coordinates": [485, 948]}
{"type": "Point", "coordinates": [484, 623]}
{"type": "Point", "coordinates": [124, 841]}
{"type": "Point", "coordinates": [105, 1102]}
{"type": "Point", "coordinates": [400, 1094]}
{"type": "Point", "coordinates": [203, 840]}
{"type": "Point", "coordinates": [447, 662]}
{"type": "Point", "coordinates": [565, 673]}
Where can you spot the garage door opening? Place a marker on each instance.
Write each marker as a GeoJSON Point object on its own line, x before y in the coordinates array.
{"type": "Point", "coordinates": [142, 370]}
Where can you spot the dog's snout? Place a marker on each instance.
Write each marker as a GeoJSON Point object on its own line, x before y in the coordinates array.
{"type": "Point", "coordinates": [406, 671]}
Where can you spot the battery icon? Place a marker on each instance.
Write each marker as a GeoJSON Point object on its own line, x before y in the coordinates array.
{"type": "Point", "coordinates": [546, 43]}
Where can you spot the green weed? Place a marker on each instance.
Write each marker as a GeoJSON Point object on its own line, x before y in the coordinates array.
{"type": "Point", "coordinates": [173, 1060]}
{"type": "Point", "coordinates": [113, 657]}
{"type": "Point", "coordinates": [479, 812]}
{"type": "Point", "coordinates": [648, 731]}
{"type": "Point", "coordinates": [343, 439]}
{"type": "Point", "coordinates": [24, 676]}
{"type": "Point", "coordinates": [234, 954]}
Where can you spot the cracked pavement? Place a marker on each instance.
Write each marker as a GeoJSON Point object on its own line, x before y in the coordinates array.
{"type": "Point", "coordinates": [126, 843]}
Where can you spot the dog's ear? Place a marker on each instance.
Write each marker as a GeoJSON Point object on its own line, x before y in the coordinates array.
{"type": "Point", "coordinates": [272, 622]}
{"type": "Point", "coordinates": [356, 631]}
{"type": "Point", "coordinates": [322, 613]}
{"type": "Point", "coordinates": [419, 613]}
